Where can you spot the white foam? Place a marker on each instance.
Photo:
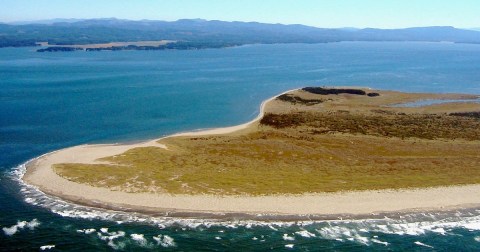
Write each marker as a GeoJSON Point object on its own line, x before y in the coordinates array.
{"type": "Point", "coordinates": [10, 230]}
{"type": "Point", "coordinates": [33, 224]}
{"type": "Point", "coordinates": [290, 246]}
{"type": "Point", "coordinates": [405, 225]}
{"type": "Point", "coordinates": [86, 231]}
{"type": "Point", "coordinates": [379, 242]}
{"type": "Point", "coordinates": [340, 233]}
{"type": "Point", "coordinates": [165, 241]}
{"type": "Point", "coordinates": [305, 233]}
{"type": "Point", "coordinates": [116, 246]}
{"type": "Point", "coordinates": [423, 244]}
{"type": "Point", "coordinates": [45, 247]}
{"type": "Point", "coordinates": [273, 228]}
{"type": "Point", "coordinates": [288, 238]}
{"type": "Point", "coordinates": [21, 225]}
{"type": "Point", "coordinates": [472, 226]}
{"type": "Point", "coordinates": [140, 239]}
{"type": "Point", "coordinates": [439, 230]}
{"type": "Point", "coordinates": [104, 235]}
{"type": "Point", "coordinates": [477, 238]}
{"type": "Point", "coordinates": [109, 236]}
{"type": "Point", "coordinates": [115, 235]}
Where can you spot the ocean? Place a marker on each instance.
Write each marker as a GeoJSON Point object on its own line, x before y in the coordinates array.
{"type": "Point", "coordinates": [50, 101]}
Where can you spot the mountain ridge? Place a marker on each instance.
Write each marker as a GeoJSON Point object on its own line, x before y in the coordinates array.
{"type": "Point", "coordinates": [71, 31]}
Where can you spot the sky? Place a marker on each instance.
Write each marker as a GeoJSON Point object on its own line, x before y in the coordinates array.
{"type": "Point", "coordinates": [319, 13]}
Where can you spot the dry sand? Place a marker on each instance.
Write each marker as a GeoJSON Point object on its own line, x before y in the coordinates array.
{"type": "Point", "coordinates": [40, 174]}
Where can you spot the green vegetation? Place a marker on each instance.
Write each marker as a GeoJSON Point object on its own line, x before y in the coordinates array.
{"type": "Point", "coordinates": [289, 160]}
{"type": "Point", "coordinates": [169, 46]}
{"type": "Point", "coordinates": [296, 99]}
{"type": "Point", "coordinates": [272, 162]}
{"type": "Point", "coordinates": [59, 49]}
{"type": "Point", "coordinates": [383, 123]}
{"type": "Point", "coordinates": [345, 143]}
{"type": "Point", "coordinates": [334, 91]}
{"type": "Point", "coordinates": [337, 91]}
{"type": "Point", "coordinates": [467, 114]}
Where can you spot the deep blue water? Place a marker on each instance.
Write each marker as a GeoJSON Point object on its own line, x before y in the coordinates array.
{"type": "Point", "coordinates": [50, 101]}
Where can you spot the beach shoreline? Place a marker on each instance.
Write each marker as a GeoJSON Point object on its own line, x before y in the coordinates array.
{"type": "Point", "coordinates": [354, 204]}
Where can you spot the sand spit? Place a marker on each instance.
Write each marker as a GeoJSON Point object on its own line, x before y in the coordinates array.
{"type": "Point", "coordinates": [40, 173]}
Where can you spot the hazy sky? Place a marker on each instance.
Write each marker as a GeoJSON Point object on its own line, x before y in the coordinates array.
{"type": "Point", "coordinates": [320, 13]}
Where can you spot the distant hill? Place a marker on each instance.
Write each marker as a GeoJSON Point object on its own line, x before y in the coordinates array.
{"type": "Point", "coordinates": [68, 31]}
{"type": "Point", "coordinates": [48, 21]}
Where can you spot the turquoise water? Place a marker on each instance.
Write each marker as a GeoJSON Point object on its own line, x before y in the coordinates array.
{"type": "Point", "coordinates": [55, 100]}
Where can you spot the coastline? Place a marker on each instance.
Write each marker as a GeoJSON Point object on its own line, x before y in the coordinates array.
{"type": "Point", "coordinates": [323, 205]}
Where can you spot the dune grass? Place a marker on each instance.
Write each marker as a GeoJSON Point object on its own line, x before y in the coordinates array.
{"type": "Point", "coordinates": [324, 143]}
{"type": "Point", "coordinates": [272, 161]}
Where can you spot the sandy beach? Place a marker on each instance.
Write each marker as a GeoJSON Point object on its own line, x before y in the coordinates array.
{"type": "Point", "coordinates": [40, 173]}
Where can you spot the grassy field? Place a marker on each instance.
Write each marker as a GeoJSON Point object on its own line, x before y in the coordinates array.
{"type": "Point", "coordinates": [301, 152]}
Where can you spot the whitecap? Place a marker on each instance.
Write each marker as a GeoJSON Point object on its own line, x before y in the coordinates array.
{"type": "Point", "coordinates": [273, 228]}
{"type": "Point", "coordinates": [47, 247]}
{"type": "Point", "coordinates": [33, 224]}
{"type": "Point", "coordinates": [10, 230]}
{"type": "Point", "coordinates": [380, 242]}
{"type": "Point", "coordinates": [116, 246]}
{"type": "Point", "coordinates": [477, 238]}
{"type": "Point", "coordinates": [289, 246]}
{"type": "Point", "coordinates": [21, 225]}
{"type": "Point", "coordinates": [140, 239]}
{"type": "Point", "coordinates": [423, 244]}
{"type": "Point", "coordinates": [340, 233]}
{"type": "Point", "coordinates": [109, 236]}
{"type": "Point", "coordinates": [115, 235]}
{"type": "Point", "coordinates": [86, 231]}
{"type": "Point", "coordinates": [439, 230]}
{"type": "Point", "coordinates": [305, 233]}
{"type": "Point", "coordinates": [286, 237]}
{"type": "Point", "coordinates": [165, 241]}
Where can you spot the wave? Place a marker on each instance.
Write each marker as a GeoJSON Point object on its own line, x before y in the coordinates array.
{"type": "Point", "coordinates": [361, 231]}
{"type": "Point", "coordinates": [118, 240]}
{"type": "Point", "coordinates": [9, 231]}
{"type": "Point", "coordinates": [47, 247]}
{"type": "Point", "coordinates": [165, 241]}
{"type": "Point", "coordinates": [423, 244]}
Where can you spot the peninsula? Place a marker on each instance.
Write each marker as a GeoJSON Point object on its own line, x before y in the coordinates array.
{"type": "Point", "coordinates": [136, 45]}
{"type": "Point", "coordinates": [311, 151]}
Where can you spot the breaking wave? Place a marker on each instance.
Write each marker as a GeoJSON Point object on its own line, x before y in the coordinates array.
{"type": "Point", "coordinates": [360, 231]}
